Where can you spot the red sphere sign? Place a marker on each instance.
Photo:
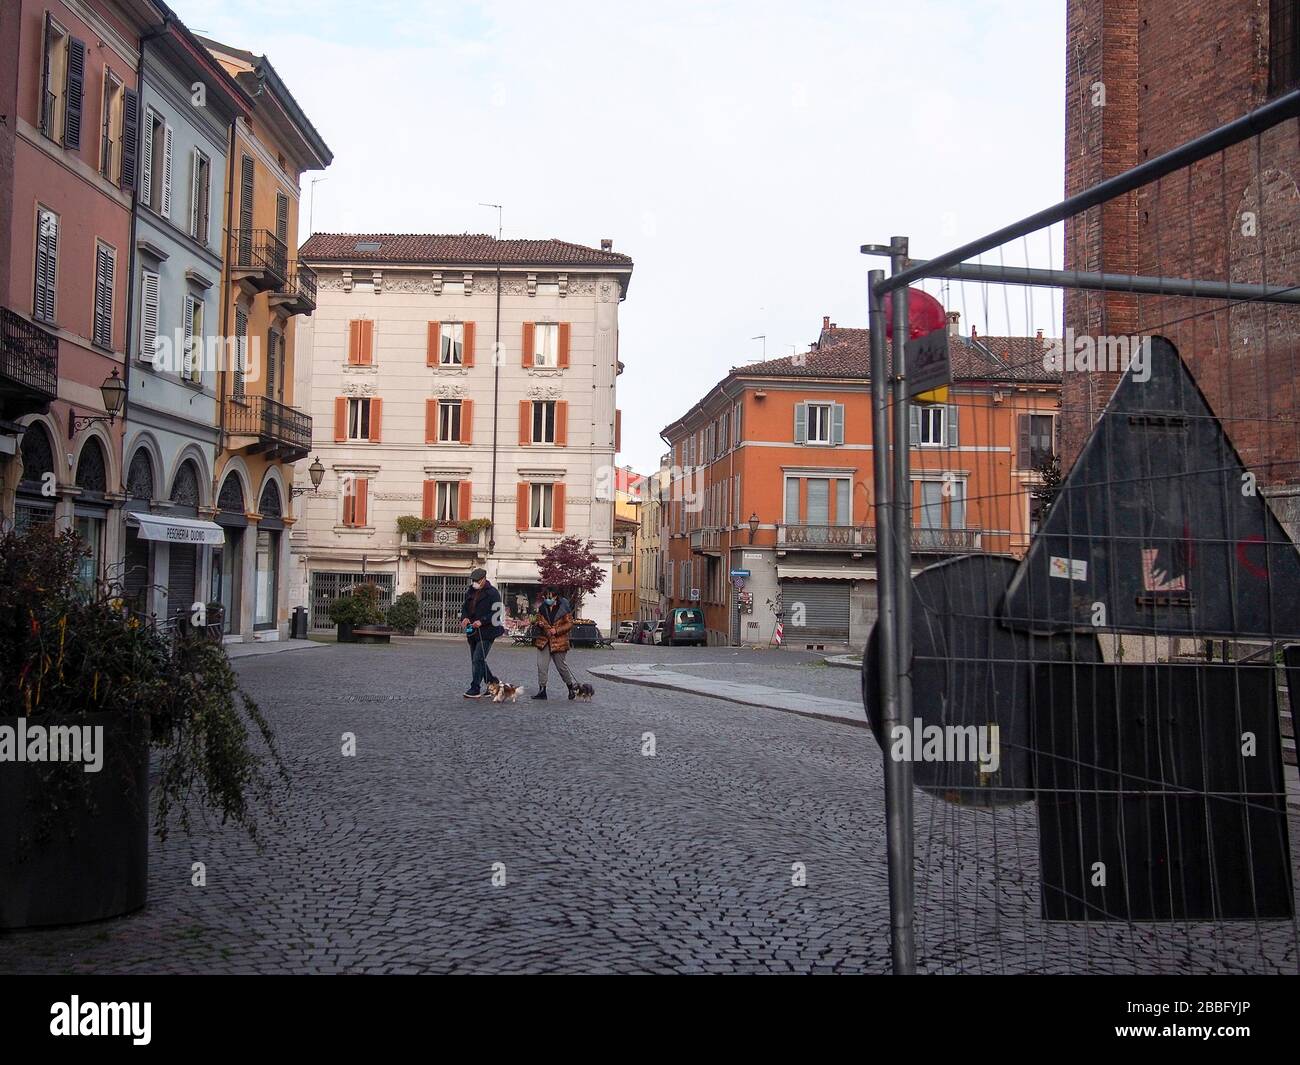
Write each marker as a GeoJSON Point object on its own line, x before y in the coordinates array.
{"type": "Point", "coordinates": [925, 314]}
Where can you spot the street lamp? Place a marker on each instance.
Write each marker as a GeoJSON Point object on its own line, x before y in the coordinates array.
{"type": "Point", "coordinates": [114, 392]}
{"type": "Point", "coordinates": [753, 526]}
{"type": "Point", "coordinates": [316, 471]}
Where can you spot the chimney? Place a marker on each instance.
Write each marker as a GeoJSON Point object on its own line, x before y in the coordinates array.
{"type": "Point", "coordinates": [606, 244]}
{"type": "Point", "coordinates": [826, 321]}
{"type": "Point", "coordinates": [953, 328]}
{"type": "Point", "coordinates": [1039, 338]}
{"type": "Point", "coordinates": [973, 334]}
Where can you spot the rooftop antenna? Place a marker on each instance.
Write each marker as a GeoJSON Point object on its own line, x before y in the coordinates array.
{"type": "Point", "coordinates": [311, 202]}
{"type": "Point", "coordinates": [763, 338]}
{"type": "Point", "coordinates": [498, 207]}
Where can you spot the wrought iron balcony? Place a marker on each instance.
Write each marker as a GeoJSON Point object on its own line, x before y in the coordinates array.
{"type": "Point", "coordinates": [261, 425]}
{"type": "Point", "coordinates": [261, 259]}
{"type": "Point", "coordinates": [298, 293]}
{"type": "Point", "coordinates": [860, 539]}
{"type": "Point", "coordinates": [446, 538]}
{"type": "Point", "coordinates": [29, 366]}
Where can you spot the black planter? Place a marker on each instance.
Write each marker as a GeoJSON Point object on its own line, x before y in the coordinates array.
{"type": "Point", "coordinates": [345, 632]}
{"type": "Point", "coordinates": [91, 860]}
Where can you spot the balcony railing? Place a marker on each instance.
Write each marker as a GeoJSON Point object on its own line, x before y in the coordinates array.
{"type": "Point", "coordinates": [277, 427]}
{"type": "Point", "coordinates": [705, 541]}
{"type": "Point", "coordinates": [862, 538]}
{"type": "Point", "coordinates": [449, 537]}
{"type": "Point", "coordinates": [29, 365]}
{"type": "Point", "coordinates": [298, 293]}
{"type": "Point", "coordinates": [261, 257]}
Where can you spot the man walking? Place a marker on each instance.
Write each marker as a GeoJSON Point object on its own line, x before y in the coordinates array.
{"type": "Point", "coordinates": [480, 618]}
{"type": "Point", "coordinates": [553, 622]}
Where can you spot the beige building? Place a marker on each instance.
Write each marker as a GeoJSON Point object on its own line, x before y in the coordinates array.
{"type": "Point", "coordinates": [650, 586]}
{"type": "Point", "coordinates": [464, 386]}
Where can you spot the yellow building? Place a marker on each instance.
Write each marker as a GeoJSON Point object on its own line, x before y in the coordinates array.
{"type": "Point", "coordinates": [649, 566]}
{"type": "Point", "coordinates": [263, 289]}
{"type": "Point", "coordinates": [627, 524]}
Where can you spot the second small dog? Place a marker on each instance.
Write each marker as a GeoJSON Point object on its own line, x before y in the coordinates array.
{"type": "Point", "coordinates": [584, 692]}
{"type": "Point", "coordinates": [502, 692]}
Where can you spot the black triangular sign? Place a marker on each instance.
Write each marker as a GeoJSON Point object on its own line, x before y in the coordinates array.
{"type": "Point", "coordinates": [1159, 528]}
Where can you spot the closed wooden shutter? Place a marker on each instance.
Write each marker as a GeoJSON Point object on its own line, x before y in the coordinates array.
{"type": "Point", "coordinates": [557, 508]}
{"type": "Point", "coordinates": [430, 495]}
{"type": "Point", "coordinates": [837, 423]}
{"type": "Point", "coordinates": [340, 418]}
{"type": "Point", "coordinates": [360, 506]}
{"type": "Point", "coordinates": [563, 358]}
{"type": "Point", "coordinates": [527, 356]}
{"type": "Point", "coordinates": [245, 210]}
{"type": "Point", "coordinates": [466, 421]}
{"type": "Point", "coordinates": [1022, 441]}
{"type": "Point", "coordinates": [47, 265]}
{"type": "Point", "coordinates": [167, 172]}
{"type": "Point", "coordinates": [76, 84]}
{"type": "Point", "coordinates": [354, 341]}
{"type": "Point", "coordinates": [525, 422]}
{"type": "Point", "coordinates": [190, 357]}
{"type": "Point", "coordinates": [272, 346]}
{"type": "Point", "coordinates": [434, 340]}
{"type": "Point", "coordinates": [376, 412]}
{"type": "Point", "coordinates": [952, 425]}
{"type": "Point", "coordinates": [196, 179]}
{"type": "Point", "coordinates": [102, 333]}
{"type": "Point", "coordinates": [618, 430]}
{"type": "Point", "coordinates": [468, 354]}
{"type": "Point", "coordinates": [367, 342]}
{"type": "Point", "coordinates": [146, 181]}
{"type": "Point", "coordinates": [130, 137]}
{"type": "Point", "coordinates": [282, 217]}
{"type": "Point", "coordinates": [148, 315]}
{"type": "Point", "coordinates": [241, 349]}
{"type": "Point", "coordinates": [463, 501]}
{"type": "Point", "coordinates": [521, 506]}
{"type": "Point", "coordinates": [561, 423]}
{"type": "Point", "coordinates": [800, 423]}
{"type": "Point", "coordinates": [430, 421]}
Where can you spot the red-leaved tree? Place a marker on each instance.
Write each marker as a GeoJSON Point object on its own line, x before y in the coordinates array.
{"type": "Point", "coordinates": [572, 567]}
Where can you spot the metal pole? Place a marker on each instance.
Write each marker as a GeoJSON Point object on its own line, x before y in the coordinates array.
{"type": "Point", "coordinates": [898, 774]}
{"type": "Point", "coordinates": [1144, 284]}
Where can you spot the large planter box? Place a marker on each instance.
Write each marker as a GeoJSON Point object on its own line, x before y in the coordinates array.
{"type": "Point", "coordinates": [90, 860]}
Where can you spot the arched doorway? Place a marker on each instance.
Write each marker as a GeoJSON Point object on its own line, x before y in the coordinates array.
{"type": "Point", "coordinates": [269, 531]}
{"type": "Point", "coordinates": [228, 559]}
{"type": "Point", "coordinates": [34, 502]}
{"type": "Point", "coordinates": [90, 511]}
{"type": "Point", "coordinates": [137, 556]}
{"type": "Point", "coordinates": [182, 559]}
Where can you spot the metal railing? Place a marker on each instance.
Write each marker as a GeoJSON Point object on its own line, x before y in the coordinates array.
{"type": "Point", "coordinates": [864, 537]}
{"type": "Point", "coordinates": [449, 535]}
{"type": "Point", "coordinates": [260, 249]}
{"type": "Point", "coordinates": [29, 356]}
{"type": "Point", "coordinates": [270, 420]}
{"type": "Point", "coordinates": [302, 283]}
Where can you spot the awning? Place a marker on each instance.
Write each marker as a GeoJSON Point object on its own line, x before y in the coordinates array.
{"type": "Point", "coordinates": [825, 573]}
{"type": "Point", "coordinates": [177, 530]}
{"type": "Point", "coordinates": [508, 570]}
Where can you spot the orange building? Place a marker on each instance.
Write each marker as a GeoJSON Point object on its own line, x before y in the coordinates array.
{"type": "Point", "coordinates": [771, 505]}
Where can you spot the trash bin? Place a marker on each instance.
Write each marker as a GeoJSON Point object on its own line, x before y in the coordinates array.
{"type": "Point", "coordinates": [298, 623]}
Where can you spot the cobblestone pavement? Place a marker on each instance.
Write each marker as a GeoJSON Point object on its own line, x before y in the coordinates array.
{"type": "Point", "coordinates": [613, 861]}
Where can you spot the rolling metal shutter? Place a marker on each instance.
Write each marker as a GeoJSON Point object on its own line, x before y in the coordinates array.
{"type": "Point", "coordinates": [181, 565]}
{"type": "Point", "coordinates": [825, 610]}
{"type": "Point", "coordinates": [441, 598]}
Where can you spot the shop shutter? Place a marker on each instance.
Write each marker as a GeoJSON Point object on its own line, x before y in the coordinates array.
{"type": "Point", "coordinates": [182, 562]}
{"type": "Point", "coordinates": [825, 609]}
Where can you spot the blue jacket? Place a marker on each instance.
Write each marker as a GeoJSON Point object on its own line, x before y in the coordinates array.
{"type": "Point", "coordinates": [484, 604]}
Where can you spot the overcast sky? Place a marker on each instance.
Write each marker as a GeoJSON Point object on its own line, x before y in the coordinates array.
{"type": "Point", "coordinates": [740, 152]}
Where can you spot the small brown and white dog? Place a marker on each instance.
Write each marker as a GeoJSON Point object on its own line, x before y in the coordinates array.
{"type": "Point", "coordinates": [501, 692]}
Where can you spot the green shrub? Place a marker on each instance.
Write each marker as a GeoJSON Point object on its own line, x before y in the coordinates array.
{"type": "Point", "coordinates": [404, 614]}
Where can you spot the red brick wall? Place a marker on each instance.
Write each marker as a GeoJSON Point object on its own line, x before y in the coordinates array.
{"type": "Point", "coordinates": [1174, 69]}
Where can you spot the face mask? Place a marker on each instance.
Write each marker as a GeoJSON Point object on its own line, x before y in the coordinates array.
{"type": "Point", "coordinates": [478, 586]}
{"type": "Point", "coordinates": [550, 602]}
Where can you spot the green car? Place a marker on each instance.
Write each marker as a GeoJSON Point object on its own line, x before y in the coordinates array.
{"type": "Point", "coordinates": [685, 626]}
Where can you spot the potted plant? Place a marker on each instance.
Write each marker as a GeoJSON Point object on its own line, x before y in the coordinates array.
{"type": "Point", "coordinates": [404, 614]}
{"type": "Point", "coordinates": [86, 688]}
{"type": "Point", "coordinates": [413, 527]}
{"type": "Point", "coordinates": [354, 608]}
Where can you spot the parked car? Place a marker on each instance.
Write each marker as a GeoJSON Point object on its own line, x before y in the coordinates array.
{"type": "Point", "coordinates": [643, 632]}
{"type": "Point", "coordinates": [657, 636]}
{"type": "Point", "coordinates": [685, 627]}
{"type": "Point", "coordinates": [624, 632]}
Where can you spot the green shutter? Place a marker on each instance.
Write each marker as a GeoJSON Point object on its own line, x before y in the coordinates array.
{"type": "Point", "coordinates": [800, 423]}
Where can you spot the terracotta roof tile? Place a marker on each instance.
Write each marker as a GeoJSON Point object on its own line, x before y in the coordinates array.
{"type": "Point", "coordinates": [454, 248]}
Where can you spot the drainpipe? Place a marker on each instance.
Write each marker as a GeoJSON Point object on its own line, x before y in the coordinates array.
{"type": "Point", "coordinates": [496, 391]}
{"type": "Point", "coordinates": [226, 272]}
